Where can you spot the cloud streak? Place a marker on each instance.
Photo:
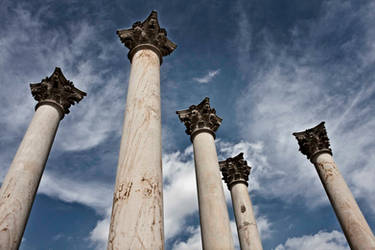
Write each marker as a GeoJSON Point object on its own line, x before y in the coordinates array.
{"type": "Point", "coordinates": [208, 77]}
{"type": "Point", "coordinates": [300, 84]}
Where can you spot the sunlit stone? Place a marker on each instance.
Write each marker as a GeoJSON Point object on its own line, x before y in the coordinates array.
{"type": "Point", "coordinates": [201, 123]}
{"type": "Point", "coordinates": [55, 95]}
{"type": "Point", "coordinates": [314, 143]}
{"type": "Point", "coordinates": [137, 211]}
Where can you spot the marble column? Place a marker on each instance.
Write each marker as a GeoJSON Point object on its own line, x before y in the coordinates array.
{"type": "Point", "coordinates": [137, 211]}
{"type": "Point", "coordinates": [314, 143]}
{"type": "Point", "coordinates": [201, 123]}
{"type": "Point", "coordinates": [55, 95]}
{"type": "Point", "coordinates": [235, 173]}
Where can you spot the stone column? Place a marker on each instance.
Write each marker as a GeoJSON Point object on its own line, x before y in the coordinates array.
{"type": "Point", "coordinates": [55, 95]}
{"type": "Point", "coordinates": [201, 123]}
{"type": "Point", "coordinates": [137, 211]}
{"type": "Point", "coordinates": [235, 173]}
{"type": "Point", "coordinates": [314, 143]}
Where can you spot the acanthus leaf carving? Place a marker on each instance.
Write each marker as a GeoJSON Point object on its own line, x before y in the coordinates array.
{"type": "Point", "coordinates": [56, 90]}
{"type": "Point", "coordinates": [235, 170]}
{"type": "Point", "coordinates": [147, 32]}
{"type": "Point", "coordinates": [313, 141]}
{"type": "Point", "coordinates": [198, 117]}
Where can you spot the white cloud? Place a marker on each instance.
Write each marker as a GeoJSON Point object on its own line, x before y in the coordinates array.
{"type": "Point", "coordinates": [207, 78]}
{"type": "Point", "coordinates": [99, 235]}
{"type": "Point", "coordinates": [264, 227]}
{"type": "Point", "coordinates": [92, 194]}
{"type": "Point", "coordinates": [291, 93]}
{"type": "Point", "coordinates": [180, 194]}
{"type": "Point", "coordinates": [192, 243]}
{"type": "Point", "coordinates": [320, 241]}
{"type": "Point", "coordinates": [23, 49]}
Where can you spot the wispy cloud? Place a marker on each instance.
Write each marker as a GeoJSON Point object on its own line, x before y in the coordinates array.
{"type": "Point", "coordinates": [208, 77]}
{"type": "Point", "coordinates": [70, 190]}
{"type": "Point", "coordinates": [322, 240]}
{"type": "Point", "coordinates": [90, 121]}
{"type": "Point", "coordinates": [99, 235]}
{"type": "Point", "coordinates": [300, 84]}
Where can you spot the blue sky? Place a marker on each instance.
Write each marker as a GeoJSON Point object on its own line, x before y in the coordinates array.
{"type": "Point", "coordinates": [270, 68]}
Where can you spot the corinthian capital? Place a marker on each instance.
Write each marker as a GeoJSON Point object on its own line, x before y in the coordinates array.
{"type": "Point", "coordinates": [313, 141]}
{"type": "Point", "coordinates": [57, 91]}
{"type": "Point", "coordinates": [200, 117]}
{"type": "Point", "coordinates": [235, 170]}
{"type": "Point", "coordinates": [147, 35]}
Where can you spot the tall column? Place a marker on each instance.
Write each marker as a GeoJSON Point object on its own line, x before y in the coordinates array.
{"type": "Point", "coordinates": [55, 95]}
{"type": "Point", "coordinates": [137, 211]}
{"type": "Point", "coordinates": [314, 143]}
{"type": "Point", "coordinates": [201, 123]}
{"type": "Point", "coordinates": [235, 173]}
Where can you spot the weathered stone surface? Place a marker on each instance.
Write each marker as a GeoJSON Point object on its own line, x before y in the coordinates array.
{"type": "Point", "coordinates": [201, 123]}
{"type": "Point", "coordinates": [313, 141]}
{"type": "Point", "coordinates": [137, 212]}
{"type": "Point", "coordinates": [235, 170]}
{"type": "Point", "coordinates": [147, 34]}
{"type": "Point", "coordinates": [352, 221]}
{"type": "Point", "coordinates": [214, 219]}
{"type": "Point", "coordinates": [235, 173]}
{"type": "Point", "coordinates": [247, 229]}
{"type": "Point", "coordinates": [57, 91]}
{"type": "Point", "coordinates": [55, 95]}
{"type": "Point", "coordinates": [21, 182]}
{"type": "Point", "coordinates": [200, 117]}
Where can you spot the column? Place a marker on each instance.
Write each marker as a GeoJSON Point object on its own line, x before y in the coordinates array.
{"type": "Point", "coordinates": [55, 95]}
{"type": "Point", "coordinates": [235, 173]}
{"type": "Point", "coordinates": [137, 211]}
{"type": "Point", "coordinates": [314, 143]}
{"type": "Point", "coordinates": [201, 123]}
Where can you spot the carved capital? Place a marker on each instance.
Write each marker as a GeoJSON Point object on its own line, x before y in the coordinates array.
{"type": "Point", "coordinates": [57, 91]}
{"type": "Point", "coordinates": [199, 118]}
{"type": "Point", "coordinates": [147, 35]}
{"type": "Point", "coordinates": [235, 170]}
{"type": "Point", "coordinates": [313, 141]}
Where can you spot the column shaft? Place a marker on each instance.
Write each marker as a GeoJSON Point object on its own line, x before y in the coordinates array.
{"type": "Point", "coordinates": [354, 225]}
{"type": "Point", "coordinates": [21, 182]}
{"type": "Point", "coordinates": [214, 219]}
{"type": "Point", "coordinates": [245, 219]}
{"type": "Point", "coordinates": [137, 212]}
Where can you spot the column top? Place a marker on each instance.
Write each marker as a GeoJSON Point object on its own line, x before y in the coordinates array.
{"type": "Point", "coordinates": [313, 141]}
{"type": "Point", "coordinates": [57, 91]}
{"type": "Point", "coordinates": [200, 118]}
{"type": "Point", "coordinates": [147, 35]}
{"type": "Point", "coordinates": [235, 170]}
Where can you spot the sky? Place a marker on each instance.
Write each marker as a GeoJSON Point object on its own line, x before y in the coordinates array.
{"type": "Point", "coordinates": [270, 68]}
